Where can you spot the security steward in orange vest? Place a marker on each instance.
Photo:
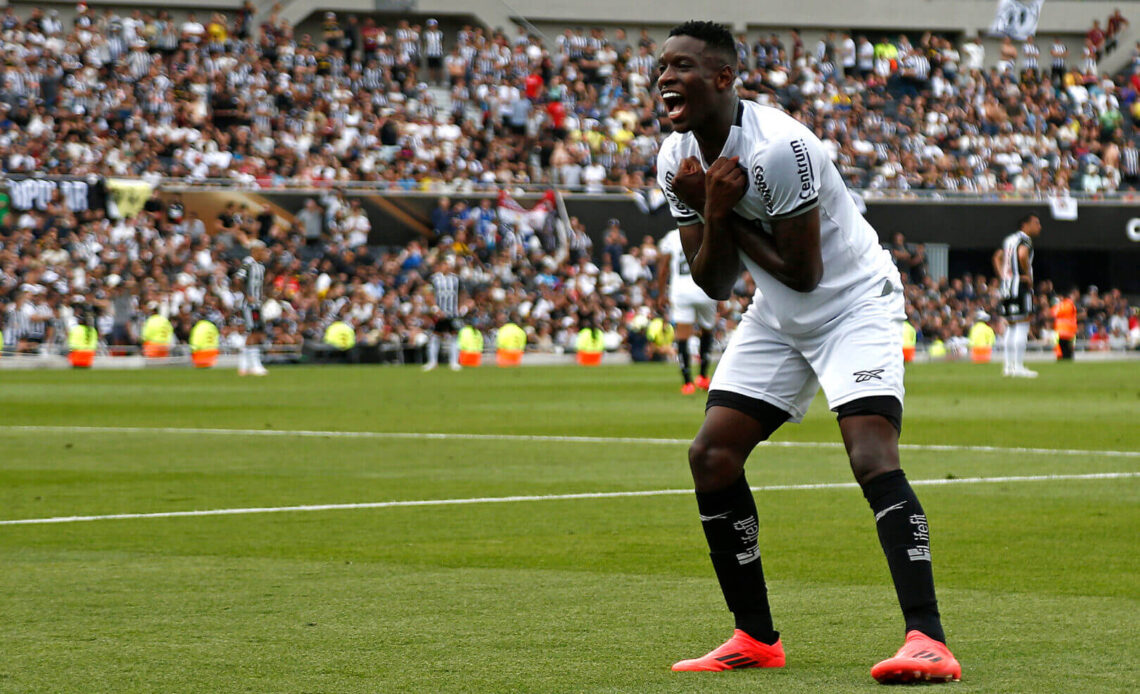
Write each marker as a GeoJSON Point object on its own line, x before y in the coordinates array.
{"type": "Point", "coordinates": [1065, 323]}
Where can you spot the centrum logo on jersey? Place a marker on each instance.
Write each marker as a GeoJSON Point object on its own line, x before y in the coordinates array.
{"type": "Point", "coordinates": [803, 169]}
{"type": "Point", "coordinates": [759, 182]}
{"type": "Point", "coordinates": [864, 376]}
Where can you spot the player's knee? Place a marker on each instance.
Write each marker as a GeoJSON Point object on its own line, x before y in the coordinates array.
{"type": "Point", "coordinates": [871, 458]}
{"type": "Point", "coordinates": [713, 466]}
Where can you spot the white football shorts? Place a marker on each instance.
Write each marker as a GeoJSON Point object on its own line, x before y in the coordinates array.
{"type": "Point", "coordinates": [693, 309]}
{"type": "Point", "coordinates": [857, 355]}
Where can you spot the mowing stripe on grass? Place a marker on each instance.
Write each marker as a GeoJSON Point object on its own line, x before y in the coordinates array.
{"type": "Point", "coordinates": [429, 436]}
{"type": "Point", "coordinates": [547, 497]}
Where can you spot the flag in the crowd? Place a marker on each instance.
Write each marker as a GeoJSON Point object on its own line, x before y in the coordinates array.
{"type": "Point", "coordinates": [515, 217]}
{"type": "Point", "coordinates": [1016, 19]}
{"type": "Point", "coordinates": [128, 195]}
{"type": "Point", "coordinates": [1063, 207]}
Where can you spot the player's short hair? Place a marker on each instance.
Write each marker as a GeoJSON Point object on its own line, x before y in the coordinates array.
{"type": "Point", "coordinates": [717, 37]}
{"type": "Point", "coordinates": [1025, 219]}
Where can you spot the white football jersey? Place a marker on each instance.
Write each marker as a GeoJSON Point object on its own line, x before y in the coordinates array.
{"type": "Point", "coordinates": [789, 173]}
{"type": "Point", "coordinates": [681, 282]}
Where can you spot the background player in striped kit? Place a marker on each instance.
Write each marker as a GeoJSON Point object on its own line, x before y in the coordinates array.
{"type": "Point", "coordinates": [1013, 263]}
{"type": "Point", "coordinates": [252, 277]}
{"type": "Point", "coordinates": [445, 288]}
{"type": "Point", "coordinates": [690, 306]}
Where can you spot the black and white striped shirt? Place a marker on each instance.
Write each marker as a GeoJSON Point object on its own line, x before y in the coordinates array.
{"type": "Point", "coordinates": [1130, 161]}
{"type": "Point", "coordinates": [433, 43]}
{"type": "Point", "coordinates": [1029, 55]}
{"type": "Point", "coordinates": [577, 46]}
{"type": "Point", "coordinates": [642, 64]}
{"type": "Point", "coordinates": [138, 62]}
{"type": "Point", "coordinates": [116, 47]}
{"type": "Point", "coordinates": [919, 65]}
{"type": "Point", "coordinates": [15, 83]}
{"type": "Point", "coordinates": [372, 78]}
{"type": "Point", "coordinates": [253, 275]}
{"type": "Point", "coordinates": [1060, 52]}
{"type": "Point", "coordinates": [446, 286]}
{"type": "Point", "coordinates": [1011, 270]}
{"type": "Point", "coordinates": [16, 326]}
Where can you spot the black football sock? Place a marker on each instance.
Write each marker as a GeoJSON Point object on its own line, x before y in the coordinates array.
{"type": "Point", "coordinates": [732, 529]}
{"type": "Point", "coordinates": [706, 352]}
{"type": "Point", "coordinates": [905, 537]}
{"type": "Point", "coordinates": [683, 357]}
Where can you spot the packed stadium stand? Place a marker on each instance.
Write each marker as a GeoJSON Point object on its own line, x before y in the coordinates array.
{"type": "Point", "coordinates": [142, 150]}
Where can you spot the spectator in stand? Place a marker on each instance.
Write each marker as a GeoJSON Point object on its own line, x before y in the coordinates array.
{"type": "Point", "coordinates": [1059, 53]}
{"type": "Point", "coordinates": [215, 104]}
{"type": "Point", "coordinates": [311, 220]}
{"type": "Point", "coordinates": [615, 243]}
{"type": "Point", "coordinates": [910, 258]}
{"type": "Point", "coordinates": [1115, 24]}
{"type": "Point", "coordinates": [1095, 39]}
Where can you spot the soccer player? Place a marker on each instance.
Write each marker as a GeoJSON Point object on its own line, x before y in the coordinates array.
{"type": "Point", "coordinates": [749, 183]}
{"type": "Point", "coordinates": [252, 277]}
{"type": "Point", "coordinates": [1013, 264]}
{"type": "Point", "coordinates": [445, 289]}
{"type": "Point", "coordinates": [690, 306]}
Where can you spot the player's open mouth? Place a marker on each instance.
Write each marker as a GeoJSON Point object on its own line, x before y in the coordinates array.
{"type": "Point", "coordinates": [674, 103]}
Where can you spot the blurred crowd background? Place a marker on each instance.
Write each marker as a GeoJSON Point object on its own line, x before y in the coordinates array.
{"type": "Point", "coordinates": [247, 101]}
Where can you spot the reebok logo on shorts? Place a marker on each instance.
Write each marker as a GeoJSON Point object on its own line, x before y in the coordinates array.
{"type": "Point", "coordinates": [864, 376]}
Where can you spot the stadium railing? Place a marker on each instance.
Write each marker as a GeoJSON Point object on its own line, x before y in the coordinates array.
{"type": "Point", "coordinates": [436, 189]}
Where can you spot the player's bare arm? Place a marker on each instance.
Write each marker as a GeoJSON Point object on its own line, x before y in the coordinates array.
{"type": "Point", "coordinates": [1023, 262]}
{"type": "Point", "coordinates": [999, 263]}
{"type": "Point", "coordinates": [708, 245]}
{"type": "Point", "coordinates": [663, 261]}
{"type": "Point", "coordinates": [791, 253]}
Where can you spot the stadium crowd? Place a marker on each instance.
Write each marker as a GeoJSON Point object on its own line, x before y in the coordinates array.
{"type": "Point", "coordinates": [232, 98]}
{"type": "Point", "coordinates": [56, 265]}
{"type": "Point", "coordinates": [247, 99]}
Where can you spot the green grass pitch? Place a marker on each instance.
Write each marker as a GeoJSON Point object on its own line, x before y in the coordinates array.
{"type": "Point", "coordinates": [1039, 580]}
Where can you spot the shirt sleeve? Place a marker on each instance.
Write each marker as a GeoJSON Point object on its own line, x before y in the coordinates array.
{"type": "Point", "coordinates": [667, 164]}
{"type": "Point", "coordinates": [786, 176]}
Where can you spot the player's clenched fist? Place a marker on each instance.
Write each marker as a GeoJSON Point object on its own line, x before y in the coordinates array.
{"type": "Point", "coordinates": [725, 183]}
{"type": "Point", "coordinates": [689, 184]}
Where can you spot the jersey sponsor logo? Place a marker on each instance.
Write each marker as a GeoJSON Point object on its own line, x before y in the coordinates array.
{"type": "Point", "coordinates": [761, 184]}
{"type": "Point", "coordinates": [681, 207]}
{"type": "Point", "coordinates": [869, 374]}
{"type": "Point", "coordinates": [803, 169]}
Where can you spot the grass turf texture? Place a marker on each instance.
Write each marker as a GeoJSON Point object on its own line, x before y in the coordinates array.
{"type": "Point", "coordinates": [1038, 580]}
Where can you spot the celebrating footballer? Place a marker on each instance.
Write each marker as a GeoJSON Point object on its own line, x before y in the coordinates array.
{"type": "Point", "coordinates": [749, 184]}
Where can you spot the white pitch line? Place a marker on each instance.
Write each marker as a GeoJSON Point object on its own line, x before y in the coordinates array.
{"type": "Point", "coordinates": [547, 497]}
{"type": "Point", "coordinates": [444, 436]}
